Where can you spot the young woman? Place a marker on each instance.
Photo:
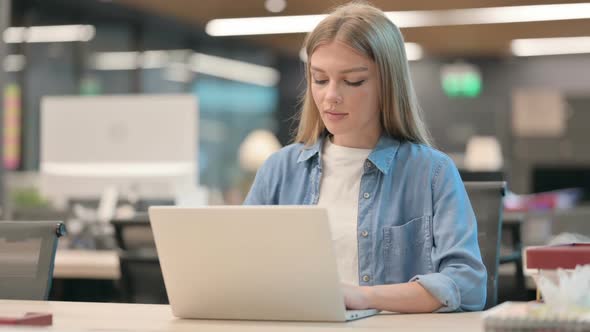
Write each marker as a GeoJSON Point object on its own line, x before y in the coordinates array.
{"type": "Point", "coordinates": [404, 230]}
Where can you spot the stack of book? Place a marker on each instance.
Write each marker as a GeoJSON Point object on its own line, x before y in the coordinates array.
{"type": "Point", "coordinates": [534, 316]}
{"type": "Point", "coordinates": [568, 312]}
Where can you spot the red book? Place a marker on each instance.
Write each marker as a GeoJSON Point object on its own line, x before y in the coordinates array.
{"type": "Point", "coordinates": [29, 318]}
{"type": "Point", "coordinates": [559, 256]}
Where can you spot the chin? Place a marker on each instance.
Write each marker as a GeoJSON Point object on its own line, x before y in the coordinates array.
{"type": "Point", "coordinates": [333, 130]}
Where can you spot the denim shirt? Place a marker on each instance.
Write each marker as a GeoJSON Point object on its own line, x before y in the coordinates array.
{"type": "Point", "coordinates": [415, 221]}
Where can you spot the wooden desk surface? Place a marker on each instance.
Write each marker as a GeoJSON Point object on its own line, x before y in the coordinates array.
{"type": "Point", "coordinates": [104, 317]}
{"type": "Point", "coordinates": [86, 264]}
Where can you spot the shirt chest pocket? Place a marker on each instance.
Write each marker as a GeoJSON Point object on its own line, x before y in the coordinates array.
{"type": "Point", "coordinates": [407, 249]}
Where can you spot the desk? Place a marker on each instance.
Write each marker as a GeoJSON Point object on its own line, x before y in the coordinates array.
{"type": "Point", "coordinates": [86, 275]}
{"type": "Point", "coordinates": [87, 264]}
{"type": "Point", "coordinates": [104, 317]}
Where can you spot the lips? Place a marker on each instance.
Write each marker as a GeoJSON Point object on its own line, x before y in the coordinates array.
{"type": "Point", "coordinates": [334, 116]}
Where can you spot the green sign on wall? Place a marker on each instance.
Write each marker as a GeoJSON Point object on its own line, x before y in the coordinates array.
{"type": "Point", "coordinates": [461, 81]}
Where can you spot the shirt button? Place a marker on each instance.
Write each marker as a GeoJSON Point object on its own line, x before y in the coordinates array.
{"type": "Point", "coordinates": [366, 195]}
{"type": "Point", "coordinates": [368, 164]}
{"type": "Point", "coordinates": [364, 233]}
{"type": "Point", "coordinates": [366, 278]}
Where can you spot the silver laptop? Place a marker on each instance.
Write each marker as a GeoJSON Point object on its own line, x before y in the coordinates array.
{"type": "Point", "coordinates": [250, 262]}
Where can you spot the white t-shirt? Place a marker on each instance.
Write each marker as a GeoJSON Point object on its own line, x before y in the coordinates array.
{"type": "Point", "coordinates": [342, 168]}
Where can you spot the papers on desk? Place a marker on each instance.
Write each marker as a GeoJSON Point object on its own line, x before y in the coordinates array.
{"type": "Point", "coordinates": [534, 316]}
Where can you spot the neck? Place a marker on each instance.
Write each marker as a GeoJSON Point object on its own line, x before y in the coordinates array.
{"type": "Point", "coordinates": [365, 141]}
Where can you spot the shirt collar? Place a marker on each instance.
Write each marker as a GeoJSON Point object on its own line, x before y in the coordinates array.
{"type": "Point", "coordinates": [309, 151]}
{"type": "Point", "coordinates": [382, 155]}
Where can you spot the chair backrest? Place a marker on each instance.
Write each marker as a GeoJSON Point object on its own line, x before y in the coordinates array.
{"type": "Point", "coordinates": [141, 276]}
{"type": "Point", "coordinates": [27, 254]}
{"type": "Point", "coordinates": [486, 200]}
{"type": "Point", "coordinates": [481, 176]}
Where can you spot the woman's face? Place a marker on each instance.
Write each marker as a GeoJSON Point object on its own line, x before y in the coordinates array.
{"type": "Point", "coordinates": [345, 89]}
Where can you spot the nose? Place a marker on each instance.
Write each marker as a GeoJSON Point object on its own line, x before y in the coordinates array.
{"type": "Point", "coordinates": [333, 95]}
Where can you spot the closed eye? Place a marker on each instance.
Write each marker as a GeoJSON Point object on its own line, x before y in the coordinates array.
{"type": "Point", "coordinates": [320, 82]}
{"type": "Point", "coordinates": [357, 83]}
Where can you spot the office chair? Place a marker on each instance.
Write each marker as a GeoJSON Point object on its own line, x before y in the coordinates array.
{"type": "Point", "coordinates": [27, 254]}
{"type": "Point", "coordinates": [141, 275]}
{"type": "Point", "coordinates": [481, 176]}
{"type": "Point", "coordinates": [486, 200]}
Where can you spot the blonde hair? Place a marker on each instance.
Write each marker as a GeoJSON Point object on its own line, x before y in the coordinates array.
{"type": "Point", "coordinates": [368, 31]}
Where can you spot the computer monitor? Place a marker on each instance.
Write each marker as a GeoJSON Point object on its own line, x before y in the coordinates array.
{"type": "Point", "coordinates": [145, 144]}
{"type": "Point", "coordinates": [556, 177]}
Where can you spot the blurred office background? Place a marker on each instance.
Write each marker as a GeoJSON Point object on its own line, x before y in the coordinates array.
{"type": "Point", "coordinates": [504, 103]}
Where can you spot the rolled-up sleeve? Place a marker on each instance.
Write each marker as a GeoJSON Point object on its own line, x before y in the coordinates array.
{"type": "Point", "coordinates": [459, 281]}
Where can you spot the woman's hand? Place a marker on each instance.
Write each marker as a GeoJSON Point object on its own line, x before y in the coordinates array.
{"type": "Point", "coordinates": [408, 297]}
{"type": "Point", "coordinates": [355, 297]}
